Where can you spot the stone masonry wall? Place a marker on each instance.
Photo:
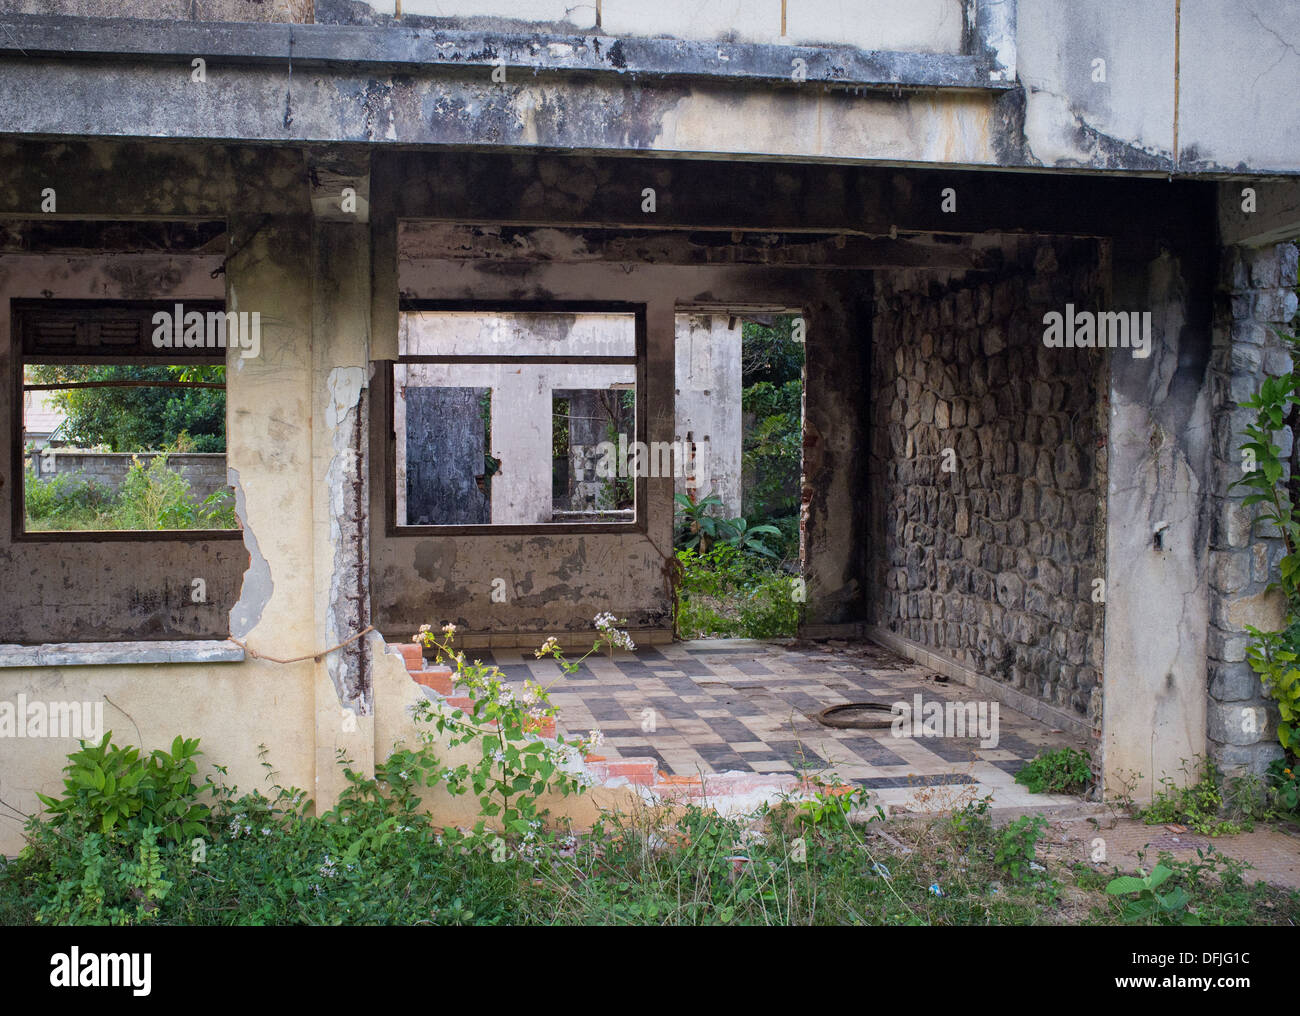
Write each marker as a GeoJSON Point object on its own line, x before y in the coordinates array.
{"type": "Point", "coordinates": [991, 560]}
{"type": "Point", "coordinates": [1257, 293]}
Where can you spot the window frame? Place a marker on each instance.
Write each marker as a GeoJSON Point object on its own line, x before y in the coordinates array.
{"type": "Point", "coordinates": [637, 361]}
{"type": "Point", "coordinates": [23, 312]}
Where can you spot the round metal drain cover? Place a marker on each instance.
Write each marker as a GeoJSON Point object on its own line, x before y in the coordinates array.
{"type": "Point", "coordinates": [857, 715]}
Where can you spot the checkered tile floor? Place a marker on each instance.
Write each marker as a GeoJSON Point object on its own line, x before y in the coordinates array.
{"type": "Point", "coordinates": [723, 706]}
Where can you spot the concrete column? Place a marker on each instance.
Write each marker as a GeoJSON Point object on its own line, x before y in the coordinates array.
{"type": "Point", "coordinates": [270, 406]}
{"type": "Point", "coordinates": [834, 546]}
{"type": "Point", "coordinates": [340, 380]}
{"type": "Point", "coordinates": [1157, 534]}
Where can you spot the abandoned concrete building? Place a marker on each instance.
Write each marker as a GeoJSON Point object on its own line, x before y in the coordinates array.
{"type": "Point", "coordinates": [440, 221]}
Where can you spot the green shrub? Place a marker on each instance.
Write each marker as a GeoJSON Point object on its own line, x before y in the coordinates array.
{"type": "Point", "coordinates": [1016, 844]}
{"type": "Point", "coordinates": [726, 593]}
{"type": "Point", "coordinates": [1063, 771]}
{"type": "Point", "coordinates": [375, 858]}
{"type": "Point", "coordinates": [155, 496]}
{"type": "Point", "coordinates": [63, 495]}
{"type": "Point", "coordinates": [109, 787]}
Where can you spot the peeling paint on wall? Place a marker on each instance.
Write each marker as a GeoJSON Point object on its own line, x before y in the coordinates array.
{"type": "Point", "coordinates": [258, 585]}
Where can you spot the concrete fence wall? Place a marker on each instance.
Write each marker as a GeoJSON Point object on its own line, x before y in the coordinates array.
{"type": "Point", "coordinates": [204, 471]}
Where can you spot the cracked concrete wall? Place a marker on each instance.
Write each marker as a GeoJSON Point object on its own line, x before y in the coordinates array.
{"type": "Point", "coordinates": [1199, 86]}
{"type": "Point", "coordinates": [232, 707]}
{"type": "Point", "coordinates": [87, 590]}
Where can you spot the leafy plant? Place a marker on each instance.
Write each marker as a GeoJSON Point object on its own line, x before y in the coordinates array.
{"type": "Point", "coordinates": [1063, 771]}
{"type": "Point", "coordinates": [1016, 843]}
{"type": "Point", "coordinates": [125, 419]}
{"type": "Point", "coordinates": [744, 537]}
{"type": "Point", "coordinates": [700, 527]}
{"type": "Point", "coordinates": [108, 787]}
{"type": "Point", "coordinates": [63, 495]}
{"type": "Point", "coordinates": [375, 858]}
{"type": "Point", "coordinates": [1273, 655]}
{"type": "Point", "coordinates": [1146, 906]}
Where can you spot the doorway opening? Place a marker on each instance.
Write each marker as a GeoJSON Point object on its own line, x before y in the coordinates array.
{"type": "Point", "coordinates": [737, 535]}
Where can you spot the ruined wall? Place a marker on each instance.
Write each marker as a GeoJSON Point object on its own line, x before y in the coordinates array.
{"type": "Point", "coordinates": [557, 582]}
{"type": "Point", "coordinates": [137, 587]}
{"type": "Point", "coordinates": [1257, 294]}
{"type": "Point", "coordinates": [986, 475]}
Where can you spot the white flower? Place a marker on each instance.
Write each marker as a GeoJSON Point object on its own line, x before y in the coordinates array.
{"type": "Point", "coordinates": [596, 738]}
{"type": "Point", "coordinates": [449, 628]}
{"type": "Point", "coordinates": [605, 625]}
{"type": "Point", "coordinates": [506, 697]}
{"type": "Point", "coordinates": [498, 756]}
{"type": "Point", "coordinates": [548, 647]}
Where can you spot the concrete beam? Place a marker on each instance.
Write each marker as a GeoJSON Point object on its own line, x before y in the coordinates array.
{"type": "Point", "coordinates": [38, 236]}
{"type": "Point", "coordinates": [1258, 214]}
{"type": "Point", "coordinates": [404, 49]}
{"type": "Point", "coordinates": [796, 198]}
{"type": "Point", "coordinates": [455, 242]}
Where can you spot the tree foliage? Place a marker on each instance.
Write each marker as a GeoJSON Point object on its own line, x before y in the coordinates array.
{"type": "Point", "coordinates": [137, 418]}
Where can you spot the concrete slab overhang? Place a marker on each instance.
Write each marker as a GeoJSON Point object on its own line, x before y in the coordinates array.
{"type": "Point", "coordinates": [386, 49]}
{"type": "Point", "coordinates": [264, 82]}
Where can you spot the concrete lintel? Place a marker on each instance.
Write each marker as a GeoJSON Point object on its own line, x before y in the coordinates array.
{"type": "Point", "coordinates": [86, 654]}
{"type": "Point", "coordinates": [46, 36]}
{"type": "Point", "coordinates": [457, 242]}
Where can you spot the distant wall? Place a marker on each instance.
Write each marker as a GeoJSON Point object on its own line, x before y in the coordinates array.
{"type": "Point", "coordinates": [708, 404]}
{"type": "Point", "coordinates": [205, 472]}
